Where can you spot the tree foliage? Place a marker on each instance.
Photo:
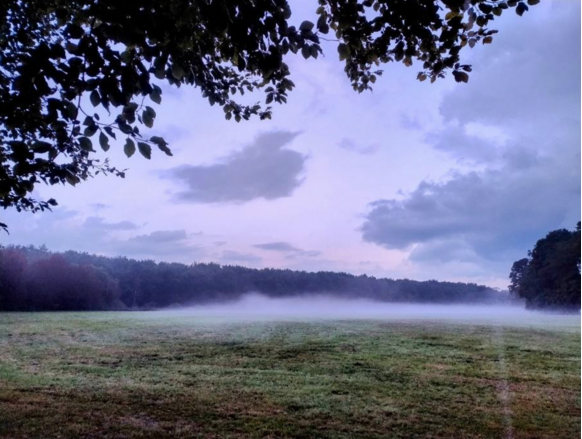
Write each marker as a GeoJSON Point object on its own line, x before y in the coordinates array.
{"type": "Point", "coordinates": [37, 279]}
{"type": "Point", "coordinates": [550, 276]}
{"type": "Point", "coordinates": [80, 75]}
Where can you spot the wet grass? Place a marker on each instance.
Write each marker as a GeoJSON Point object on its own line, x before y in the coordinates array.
{"type": "Point", "coordinates": [140, 375]}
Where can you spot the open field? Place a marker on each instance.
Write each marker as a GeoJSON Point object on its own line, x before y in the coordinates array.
{"type": "Point", "coordinates": [180, 375]}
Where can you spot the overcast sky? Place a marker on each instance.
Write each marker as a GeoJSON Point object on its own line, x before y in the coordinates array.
{"type": "Point", "coordinates": [445, 181]}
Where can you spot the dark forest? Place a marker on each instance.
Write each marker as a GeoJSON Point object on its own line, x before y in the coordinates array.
{"type": "Point", "coordinates": [36, 279]}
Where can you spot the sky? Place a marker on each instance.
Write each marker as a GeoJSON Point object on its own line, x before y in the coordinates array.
{"type": "Point", "coordinates": [414, 180]}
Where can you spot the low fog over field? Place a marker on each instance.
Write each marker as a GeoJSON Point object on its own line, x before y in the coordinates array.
{"type": "Point", "coordinates": [258, 307]}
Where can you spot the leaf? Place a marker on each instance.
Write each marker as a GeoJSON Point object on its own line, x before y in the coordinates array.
{"type": "Point", "coordinates": [460, 76]}
{"type": "Point", "coordinates": [533, 2]}
{"type": "Point", "coordinates": [86, 144]}
{"type": "Point", "coordinates": [487, 40]}
{"type": "Point", "coordinates": [306, 26]}
{"type": "Point", "coordinates": [521, 8]}
{"type": "Point", "coordinates": [71, 178]}
{"type": "Point", "coordinates": [314, 52]}
{"type": "Point", "coordinates": [145, 150]}
{"type": "Point", "coordinates": [110, 131]}
{"type": "Point", "coordinates": [95, 98]}
{"type": "Point", "coordinates": [163, 145]}
{"type": "Point", "coordinates": [147, 119]}
{"type": "Point", "coordinates": [305, 51]}
{"type": "Point", "coordinates": [344, 51]}
{"type": "Point", "coordinates": [104, 141]}
{"type": "Point", "coordinates": [156, 96]}
{"type": "Point", "coordinates": [129, 147]}
{"type": "Point", "coordinates": [178, 72]}
{"type": "Point", "coordinates": [90, 130]}
{"type": "Point", "coordinates": [72, 110]}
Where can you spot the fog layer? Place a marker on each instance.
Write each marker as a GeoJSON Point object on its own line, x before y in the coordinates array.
{"type": "Point", "coordinates": [258, 307]}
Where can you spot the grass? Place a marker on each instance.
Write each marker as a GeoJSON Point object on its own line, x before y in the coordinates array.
{"type": "Point", "coordinates": [150, 375]}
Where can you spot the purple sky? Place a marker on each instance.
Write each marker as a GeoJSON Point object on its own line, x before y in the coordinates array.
{"type": "Point", "coordinates": [445, 181]}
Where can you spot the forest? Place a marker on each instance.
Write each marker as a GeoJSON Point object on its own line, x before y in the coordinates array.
{"type": "Point", "coordinates": [36, 279]}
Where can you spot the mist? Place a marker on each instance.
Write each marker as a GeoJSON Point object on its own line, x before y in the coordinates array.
{"type": "Point", "coordinates": [257, 307]}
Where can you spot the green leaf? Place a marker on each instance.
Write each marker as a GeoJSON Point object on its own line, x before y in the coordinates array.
{"type": "Point", "coordinates": [129, 147]}
{"type": "Point", "coordinates": [95, 98]}
{"type": "Point", "coordinates": [86, 144]}
{"type": "Point", "coordinates": [145, 150]}
{"type": "Point", "coordinates": [104, 141]}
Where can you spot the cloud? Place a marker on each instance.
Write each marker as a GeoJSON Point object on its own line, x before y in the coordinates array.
{"type": "Point", "coordinates": [490, 212]}
{"type": "Point", "coordinates": [350, 145]}
{"type": "Point", "coordinates": [285, 247]}
{"type": "Point", "coordinates": [265, 169]}
{"type": "Point", "coordinates": [175, 244]}
{"type": "Point", "coordinates": [99, 223]}
{"type": "Point", "coordinates": [235, 257]}
{"type": "Point", "coordinates": [525, 85]}
{"type": "Point", "coordinates": [517, 123]}
{"type": "Point", "coordinates": [278, 246]}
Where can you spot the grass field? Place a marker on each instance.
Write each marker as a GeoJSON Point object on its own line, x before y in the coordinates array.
{"type": "Point", "coordinates": [159, 375]}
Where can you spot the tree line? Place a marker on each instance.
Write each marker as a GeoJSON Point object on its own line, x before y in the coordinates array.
{"type": "Point", "coordinates": [36, 279]}
{"type": "Point", "coordinates": [549, 278]}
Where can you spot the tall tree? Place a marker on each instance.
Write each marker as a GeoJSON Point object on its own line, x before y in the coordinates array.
{"type": "Point", "coordinates": [78, 75]}
{"type": "Point", "coordinates": [550, 277]}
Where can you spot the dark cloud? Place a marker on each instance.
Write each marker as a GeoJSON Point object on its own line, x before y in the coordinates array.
{"type": "Point", "coordinates": [518, 119]}
{"type": "Point", "coordinates": [264, 169]}
{"type": "Point", "coordinates": [278, 246]}
{"type": "Point", "coordinates": [285, 247]}
{"type": "Point", "coordinates": [493, 212]}
{"type": "Point", "coordinates": [350, 145]}
{"type": "Point", "coordinates": [159, 244]}
{"type": "Point", "coordinates": [99, 223]}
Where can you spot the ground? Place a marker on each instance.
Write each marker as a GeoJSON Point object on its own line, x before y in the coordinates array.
{"type": "Point", "coordinates": [163, 375]}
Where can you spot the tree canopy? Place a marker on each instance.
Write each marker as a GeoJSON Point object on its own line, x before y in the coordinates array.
{"type": "Point", "coordinates": [80, 75]}
{"type": "Point", "coordinates": [550, 276]}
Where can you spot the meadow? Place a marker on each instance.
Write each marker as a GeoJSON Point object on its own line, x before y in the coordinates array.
{"type": "Point", "coordinates": [156, 374]}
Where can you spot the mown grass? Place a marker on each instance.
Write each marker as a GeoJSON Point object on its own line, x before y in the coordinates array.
{"type": "Point", "coordinates": [138, 375]}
